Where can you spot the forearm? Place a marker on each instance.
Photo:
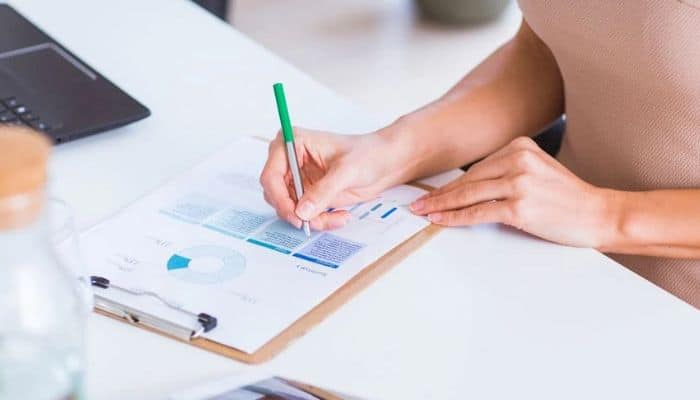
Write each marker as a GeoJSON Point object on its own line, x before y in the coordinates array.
{"type": "Point", "coordinates": [514, 92]}
{"type": "Point", "coordinates": [662, 223]}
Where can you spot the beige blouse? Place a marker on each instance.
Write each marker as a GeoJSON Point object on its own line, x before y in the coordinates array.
{"type": "Point", "coordinates": [631, 71]}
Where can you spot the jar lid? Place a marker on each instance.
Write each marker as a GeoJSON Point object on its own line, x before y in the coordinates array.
{"type": "Point", "coordinates": [23, 157]}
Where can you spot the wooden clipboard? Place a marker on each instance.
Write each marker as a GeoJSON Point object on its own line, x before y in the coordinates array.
{"type": "Point", "coordinates": [306, 322]}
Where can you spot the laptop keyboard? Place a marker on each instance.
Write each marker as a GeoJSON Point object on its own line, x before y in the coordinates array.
{"type": "Point", "coordinates": [13, 112]}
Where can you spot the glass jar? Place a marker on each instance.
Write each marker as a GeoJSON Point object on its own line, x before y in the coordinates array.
{"type": "Point", "coordinates": [42, 311]}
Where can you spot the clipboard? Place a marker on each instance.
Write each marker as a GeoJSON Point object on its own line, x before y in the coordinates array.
{"type": "Point", "coordinates": [203, 322]}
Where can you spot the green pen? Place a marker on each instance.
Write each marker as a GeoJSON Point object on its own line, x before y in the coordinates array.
{"type": "Point", "coordinates": [288, 134]}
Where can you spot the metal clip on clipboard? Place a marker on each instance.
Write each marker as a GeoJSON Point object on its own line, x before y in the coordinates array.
{"type": "Point", "coordinates": [204, 322]}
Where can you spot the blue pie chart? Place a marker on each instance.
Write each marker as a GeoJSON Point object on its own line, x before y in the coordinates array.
{"type": "Point", "coordinates": [230, 264]}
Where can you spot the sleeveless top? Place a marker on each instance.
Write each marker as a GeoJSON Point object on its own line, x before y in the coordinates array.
{"type": "Point", "coordinates": [631, 73]}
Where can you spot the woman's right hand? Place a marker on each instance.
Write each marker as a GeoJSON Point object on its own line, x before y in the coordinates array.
{"type": "Point", "coordinates": [337, 171]}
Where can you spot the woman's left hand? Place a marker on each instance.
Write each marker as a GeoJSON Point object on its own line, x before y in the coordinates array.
{"type": "Point", "coordinates": [522, 186]}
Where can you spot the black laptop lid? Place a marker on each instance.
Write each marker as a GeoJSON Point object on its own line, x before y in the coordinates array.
{"type": "Point", "coordinates": [45, 86]}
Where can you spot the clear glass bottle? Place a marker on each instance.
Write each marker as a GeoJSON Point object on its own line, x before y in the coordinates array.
{"type": "Point", "coordinates": [42, 314]}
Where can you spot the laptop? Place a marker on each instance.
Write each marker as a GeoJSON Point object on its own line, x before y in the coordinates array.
{"type": "Point", "coordinates": [46, 87]}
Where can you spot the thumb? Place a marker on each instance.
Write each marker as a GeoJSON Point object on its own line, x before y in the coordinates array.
{"type": "Point", "coordinates": [319, 196]}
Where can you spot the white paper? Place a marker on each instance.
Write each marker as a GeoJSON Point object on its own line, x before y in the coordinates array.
{"type": "Point", "coordinates": [208, 242]}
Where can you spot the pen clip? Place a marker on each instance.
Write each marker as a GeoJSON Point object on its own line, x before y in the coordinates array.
{"type": "Point", "coordinates": [204, 322]}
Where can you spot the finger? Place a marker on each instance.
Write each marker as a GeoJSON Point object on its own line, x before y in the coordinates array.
{"type": "Point", "coordinates": [491, 167]}
{"type": "Point", "coordinates": [330, 220]}
{"type": "Point", "coordinates": [468, 194]}
{"type": "Point", "coordinates": [523, 142]}
{"type": "Point", "coordinates": [284, 209]}
{"type": "Point", "coordinates": [322, 194]}
{"type": "Point", "coordinates": [484, 170]}
{"type": "Point", "coordinates": [517, 144]}
{"type": "Point", "coordinates": [274, 183]}
{"type": "Point", "coordinates": [275, 169]}
{"type": "Point", "coordinates": [474, 172]}
{"type": "Point", "coordinates": [516, 162]}
{"type": "Point", "coordinates": [491, 212]}
{"type": "Point", "coordinates": [444, 189]}
{"type": "Point", "coordinates": [287, 214]}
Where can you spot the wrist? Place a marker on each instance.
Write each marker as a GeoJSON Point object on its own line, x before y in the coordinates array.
{"type": "Point", "coordinates": [611, 220]}
{"type": "Point", "coordinates": [401, 150]}
{"type": "Point", "coordinates": [396, 136]}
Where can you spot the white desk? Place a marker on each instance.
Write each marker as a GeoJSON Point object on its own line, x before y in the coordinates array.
{"type": "Point", "coordinates": [477, 313]}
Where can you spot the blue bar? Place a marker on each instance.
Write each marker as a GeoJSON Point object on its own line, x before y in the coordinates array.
{"type": "Point", "coordinates": [364, 215]}
{"type": "Point", "coordinates": [315, 260]}
{"type": "Point", "coordinates": [269, 246]}
{"type": "Point", "coordinates": [388, 213]}
{"type": "Point", "coordinates": [375, 207]}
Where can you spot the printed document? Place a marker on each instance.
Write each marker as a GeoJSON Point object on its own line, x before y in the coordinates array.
{"type": "Point", "coordinates": [208, 242]}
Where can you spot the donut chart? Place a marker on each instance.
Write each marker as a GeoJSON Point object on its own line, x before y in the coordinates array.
{"type": "Point", "coordinates": [228, 264]}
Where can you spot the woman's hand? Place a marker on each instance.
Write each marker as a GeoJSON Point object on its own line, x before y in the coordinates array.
{"type": "Point", "coordinates": [522, 186]}
{"type": "Point", "coordinates": [337, 171]}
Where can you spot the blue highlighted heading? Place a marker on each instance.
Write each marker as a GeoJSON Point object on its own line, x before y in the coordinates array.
{"type": "Point", "coordinates": [388, 213]}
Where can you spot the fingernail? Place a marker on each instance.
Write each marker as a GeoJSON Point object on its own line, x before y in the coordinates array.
{"type": "Point", "coordinates": [437, 217]}
{"type": "Point", "coordinates": [418, 205]}
{"type": "Point", "coordinates": [305, 210]}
